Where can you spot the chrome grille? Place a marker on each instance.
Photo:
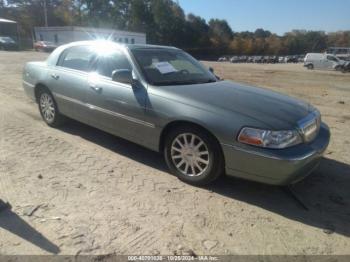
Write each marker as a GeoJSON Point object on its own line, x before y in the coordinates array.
{"type": "Point", "coordinates": [310, 126]}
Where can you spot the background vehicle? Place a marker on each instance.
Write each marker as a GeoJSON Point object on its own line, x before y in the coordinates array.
{"type": "Point", "coordinates": [301, 58]}
{"type": "Point", "coordinates": [291, 59]}
{"type": "Point", "coordinates": [7, 43]}
{"type": "Point", "coordinates": [234, 59]}
{"type": "Point", "coordinates": [250, 59]}
{"type": "Point", "coordinates": [258, 59]}
{"type": "Point", "coordinates": [342, 53]}
{"type": "Point", "coordinates": [346, 67]}
{"type": "Point", "coordinates": [222, 59]}
{"type": "Point", "coordinates": [243, 59]}
{"type": "Point", "coordinates": [44, 46]}
{"type": "Point", "coordinates": [273, 59]}
{"type": "Point", "coordinates": [265, 59]}
{"type": "Point", "coordinates": [324, 61]}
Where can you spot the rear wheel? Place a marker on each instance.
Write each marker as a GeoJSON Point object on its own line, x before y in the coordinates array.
{"type": "Point", "coordinates": [338, 68]}
{"type": "Point", "coordinates": [48, 109]}
{"type": "Point", "coordinates": [310, 66]}
{"type": "Point", "coordinates": [193, 155]}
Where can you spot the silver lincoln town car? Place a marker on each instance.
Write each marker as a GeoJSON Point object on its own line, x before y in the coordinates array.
{"type": "Point", "coordinates": [165, 100]}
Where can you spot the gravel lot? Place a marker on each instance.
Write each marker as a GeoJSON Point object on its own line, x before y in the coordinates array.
{"type": "Point", "coordinates": [77, 190]}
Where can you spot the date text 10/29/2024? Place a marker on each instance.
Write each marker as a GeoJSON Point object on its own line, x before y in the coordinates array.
{"type": "Point", "coordinates": [172, 258]}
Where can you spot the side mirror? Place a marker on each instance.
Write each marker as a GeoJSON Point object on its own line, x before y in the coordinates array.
{"type": "Point", "coordinates": [212, 71]}
{"type": "Point", "coordinates": [123, 76]}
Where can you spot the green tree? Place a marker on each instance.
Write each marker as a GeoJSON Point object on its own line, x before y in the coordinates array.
{"type": "Point", "coordinates": [261, 33]}
{"type": "Point", "coordinates": [169, 22]}
{"type": "Point", "coordinates": [220, 30]}
{"type": "Point", "coordinates": [140, 18]}
{"type": "Point", "coordinates": [196, 32]}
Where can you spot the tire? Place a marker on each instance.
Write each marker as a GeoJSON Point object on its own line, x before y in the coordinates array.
{"type": "Point", "coordinates": [48, 108]}
{"type": "Point", "coordinates": [201, 165]}
{"type": "Point", "coordinates": [310, 66]}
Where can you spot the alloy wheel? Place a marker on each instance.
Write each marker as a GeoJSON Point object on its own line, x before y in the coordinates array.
{"type": "Point", "coordinates": [47, 107]}
{"type": "Point", "coordinates": [190, 154]}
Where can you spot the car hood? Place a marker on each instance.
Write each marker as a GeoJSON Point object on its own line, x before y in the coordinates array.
{"type": "Point", "coordinates": [273, 109]}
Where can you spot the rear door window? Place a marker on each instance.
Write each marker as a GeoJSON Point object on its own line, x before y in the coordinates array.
{"type": "Point", "coordinates": [77, 58]}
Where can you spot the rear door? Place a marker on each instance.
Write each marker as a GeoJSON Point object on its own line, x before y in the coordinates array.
{"type": "Point", "coordinates": [117, 107]}
{"type": "Point", "coordinates": [68, 81]}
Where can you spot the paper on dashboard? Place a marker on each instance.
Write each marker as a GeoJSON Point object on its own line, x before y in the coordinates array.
{"type": "Point", "coordinates": [165, 67]}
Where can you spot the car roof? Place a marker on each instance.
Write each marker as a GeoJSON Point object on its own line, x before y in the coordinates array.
{"type": "Point", "coordinates": [129, 46]}
{"type": "Point", "coordinates": [144, 46]}
{"type": "Point", "coordinates": [52, 59]}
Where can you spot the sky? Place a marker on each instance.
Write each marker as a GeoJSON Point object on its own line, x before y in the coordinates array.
{"type": "Point", "coordinates": [278, 16]}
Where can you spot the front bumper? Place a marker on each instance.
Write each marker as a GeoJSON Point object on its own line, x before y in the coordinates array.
{"type": "Point", "coordinates": [276, 166]}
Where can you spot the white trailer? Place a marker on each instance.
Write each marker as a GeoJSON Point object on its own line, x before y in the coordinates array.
{"type": "Point", "coordinates": [66, 34]}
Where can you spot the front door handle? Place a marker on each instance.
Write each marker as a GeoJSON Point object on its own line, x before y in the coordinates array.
{"type": "Point", "coordinates": [95, 88]}
{"type": "Point", "coordinates": [54, 76]}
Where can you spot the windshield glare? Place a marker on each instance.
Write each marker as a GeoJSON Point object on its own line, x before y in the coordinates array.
{"type": "Point", "coordinates": [171, 67]}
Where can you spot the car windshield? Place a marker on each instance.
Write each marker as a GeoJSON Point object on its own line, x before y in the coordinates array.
{"type": "Point", "coordinates": [171, 67]}
{"type": "Point", "coordinates": [6, 39]}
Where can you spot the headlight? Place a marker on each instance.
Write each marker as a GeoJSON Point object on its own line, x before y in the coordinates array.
{"type": "Point", "coordinates": [268, 138]}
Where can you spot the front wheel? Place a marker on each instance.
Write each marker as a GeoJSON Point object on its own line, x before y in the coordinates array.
{"type": "Point", "coordinates": [48, 109]}
{"type": "Point", "coordinates": [193, 155]}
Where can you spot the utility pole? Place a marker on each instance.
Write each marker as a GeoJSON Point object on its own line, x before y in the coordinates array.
{"type": "Point", "coordinates": [45, 14]}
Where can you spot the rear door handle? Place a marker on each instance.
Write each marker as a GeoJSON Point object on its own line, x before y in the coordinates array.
{"type": "Point", "coordinates": [54, 76]}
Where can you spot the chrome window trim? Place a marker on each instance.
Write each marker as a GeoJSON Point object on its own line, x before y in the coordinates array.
{"type": "Point", "coordinates": [70, 70]}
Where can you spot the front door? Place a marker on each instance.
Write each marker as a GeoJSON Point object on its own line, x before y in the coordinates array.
{"type": "Point", "coordinates": [117, 107]}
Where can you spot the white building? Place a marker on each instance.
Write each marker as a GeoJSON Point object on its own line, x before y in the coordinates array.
{"type": "Point", "coordinates": [66, 34]}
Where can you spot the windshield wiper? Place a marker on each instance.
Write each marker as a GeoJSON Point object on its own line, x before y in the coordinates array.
{"type": "Point", "coordinates": [184, 82]}
{"type": "Point", "coordinates": [170, 83]}
{"type": "Point", "coordinates": [210, 81]}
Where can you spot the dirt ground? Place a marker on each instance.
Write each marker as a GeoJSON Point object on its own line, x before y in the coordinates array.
{"type": "Point", "coordinates": [77, 190]}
